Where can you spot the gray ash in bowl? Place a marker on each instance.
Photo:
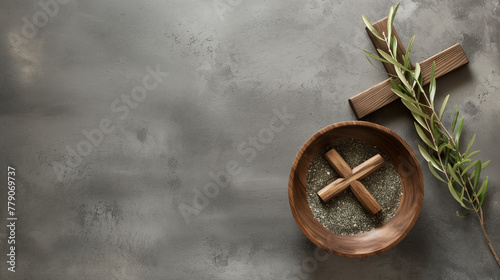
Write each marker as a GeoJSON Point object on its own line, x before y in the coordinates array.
{"type": "Point", "coordinates": [344, 214]}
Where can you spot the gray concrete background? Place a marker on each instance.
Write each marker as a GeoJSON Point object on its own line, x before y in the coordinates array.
{"type": "Point", "coordinates": [116, 214]}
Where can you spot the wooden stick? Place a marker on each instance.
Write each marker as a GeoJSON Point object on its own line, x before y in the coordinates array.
{"type": "Point", "coordinates": [372, 99]}
{"type": "Point", "coordinates": [358, 173]}
{"type": "Point", "coordinates": [446, 61]}
{"type": "Point", "coordinates": [362, 194]}
{"type": "Point", "coordinates": [381, 95]}
{"type": "Point", "coordinates": [365, 198]}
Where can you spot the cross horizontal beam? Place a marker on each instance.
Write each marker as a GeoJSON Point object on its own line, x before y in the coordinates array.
{"type": "Point", "coordinates": [381, 94]}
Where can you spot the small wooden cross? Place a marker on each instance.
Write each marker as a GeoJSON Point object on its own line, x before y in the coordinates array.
{"type": "Point", "coordinates": [351, 178]}
{"type": "Point", "coordinates": [381, 95]}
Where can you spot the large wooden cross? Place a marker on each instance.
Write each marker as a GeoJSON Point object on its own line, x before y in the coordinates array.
{"type": "Point", "coordinates": [381, 95]}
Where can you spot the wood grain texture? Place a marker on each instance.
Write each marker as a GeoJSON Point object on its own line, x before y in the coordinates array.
{"type": "Point", "coordinates": [372, 99]}
{"type": "Point", "coordinates": [382, 238]}
{"type": "Point", "coordinates": [381, 95]}
{"type": "Point", "coordinates": [381, 27]}
{"type": "Point", "coordinates": [362, 194]}
{"type": "Point", "coordinates": [365, 198]}
{"type": "Point", "coordinates": [446, 61]}
{"type": "Point", "coordinates": [358, 173]}
{"type": "Point", "coordinates": [338, 163]}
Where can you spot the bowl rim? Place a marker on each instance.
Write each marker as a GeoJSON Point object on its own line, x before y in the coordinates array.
{"type": "Point", "coordinates": [365, 235]}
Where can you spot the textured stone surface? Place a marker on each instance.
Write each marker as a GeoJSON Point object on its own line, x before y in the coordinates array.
{"type": "Point", "coordinates": [116, 214]}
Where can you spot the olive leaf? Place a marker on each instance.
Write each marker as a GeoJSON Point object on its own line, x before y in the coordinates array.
{"type": "Point", "coordinates": [371, 28]}
{"type": "Point", "coordinates": [424, 138]}
{"type": "Point", "coordinates": [459, 130]}
{"type": "Point", "coordinates": [441, 111]}
{"type": "Point", "coordinates": [432, 86]}
{"type": "Point", "coordinates": [454, 122]}
{"type": "Point", "coordinates": [470, 144]}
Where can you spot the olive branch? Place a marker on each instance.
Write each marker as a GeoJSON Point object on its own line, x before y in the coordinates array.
{"type": "Point", "coordinates": [444, 158]}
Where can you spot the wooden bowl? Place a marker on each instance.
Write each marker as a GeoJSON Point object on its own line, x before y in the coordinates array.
{"type": "Point", "coordinates": [382, 238]}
